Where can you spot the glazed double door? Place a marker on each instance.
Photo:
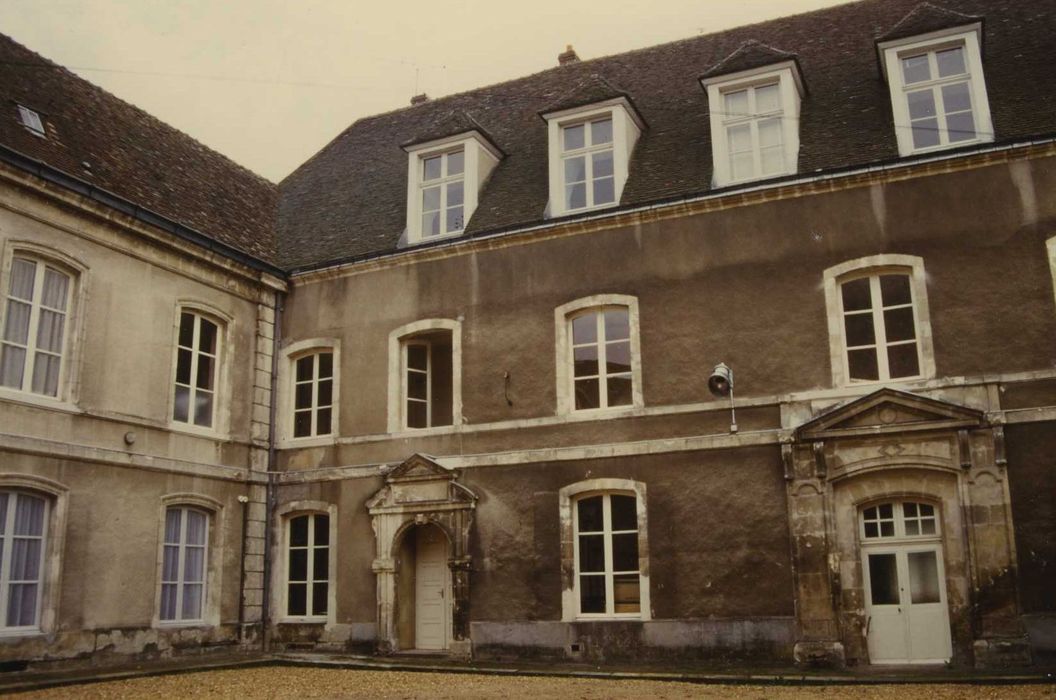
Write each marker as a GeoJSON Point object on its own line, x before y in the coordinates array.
{"type": "Point", "coordinates": [908, 618]}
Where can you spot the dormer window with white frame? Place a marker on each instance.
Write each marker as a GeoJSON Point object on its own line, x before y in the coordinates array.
{"type": "Point", "coordinates": [31, 120]}
{"type": "Point", "coordinates": [938, 92]}
{"type": "Point", "coordinates": [445, 177]}
{"type": "Point", "coordinates": [589, 153]}
{"type": "Point", "coordinates": [754, 119]}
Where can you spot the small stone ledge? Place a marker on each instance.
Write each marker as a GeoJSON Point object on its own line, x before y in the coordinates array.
{"type": "Point", "coordinates": [1010, 652]}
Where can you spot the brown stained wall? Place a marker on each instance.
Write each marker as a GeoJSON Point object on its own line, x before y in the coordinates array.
{"type": "Point", "coordinates": [1032, 481]}
{"type": "Point", "coordinates": [741, 285]}
{"type": "Point", "coordinates": [718, 535]}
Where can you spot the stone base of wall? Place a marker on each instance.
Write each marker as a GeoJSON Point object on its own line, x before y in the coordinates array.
{"type": "Point", "coordinates": [1011, 652]}
{"type": "Point", "coordinates": [754, 639]}
{"type": "Point", "coordinates": [819, 654]}
{"type": "Point", "coordinates": [294, 636]}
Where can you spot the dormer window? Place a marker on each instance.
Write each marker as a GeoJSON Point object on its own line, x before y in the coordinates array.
{"type": "Point", "coordinates": [31, 120]}
{"type": "Point", "coordinates": [590, 149]}
{"type": "Point", "coordinates": [754, 117]}
{"type": "Point", "coordinates": [938, 94]}
{"type": "Point", "coordinates": [445, 177]}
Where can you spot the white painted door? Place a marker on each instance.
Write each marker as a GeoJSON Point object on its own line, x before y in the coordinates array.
{"type": "Point", "coordinates": [431, 593]}
{"type": "Point", "coordinates": [908, 620]}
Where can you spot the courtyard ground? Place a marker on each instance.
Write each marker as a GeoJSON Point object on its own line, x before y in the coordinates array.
{"type": "Point", "coordinates": [303, 682]}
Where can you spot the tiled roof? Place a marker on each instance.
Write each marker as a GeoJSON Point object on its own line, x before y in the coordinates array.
{"type": "Point", "coordinates": [925, 18]}
{"type": "Point", "coordinates": [589, 89]}
{"type": "Point", "coordinates": [112, 145]}
{"type": "Point", "coordinates": [349, 200]}
{"type": "Point", "coordinates": [751, 54]}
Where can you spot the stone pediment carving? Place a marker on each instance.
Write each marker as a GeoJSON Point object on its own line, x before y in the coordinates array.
{"type": "Point", "coordinates": [888, 411]}
{"type": "Point", "coordinates": [421, 483]}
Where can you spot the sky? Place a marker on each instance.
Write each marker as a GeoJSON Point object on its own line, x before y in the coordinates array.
{"type": "Point", "coordinates": [270, 82]}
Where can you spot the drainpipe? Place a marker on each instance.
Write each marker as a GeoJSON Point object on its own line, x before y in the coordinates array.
{"type": "Point", "coordinates": [270, 500]}
{"type": "Point", "coordinates": [244, 501]}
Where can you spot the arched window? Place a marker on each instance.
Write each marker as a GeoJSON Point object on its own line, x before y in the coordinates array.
{"type": "Point", "coordinates": [897, 520]}
{"type": "Point", "coordinates": [23, 539]}
{"type": "Point", "coordinates": [308, 566]}
{"type": "Point", "coordinates": [425, 375]}
{"type": "Point", "coordinates": [33, 347]}
{"type": "Point", "coordinates": [313, 394]}
{"type": "Point", "coordinates": [184, 567]}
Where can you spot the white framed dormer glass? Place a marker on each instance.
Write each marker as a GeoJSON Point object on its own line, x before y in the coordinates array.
{"type": "Point", "coordinates": [31, 119]}
{"type": "Point", "coordinates": [184, 565]}
{"type": "Point", "coordinates": [754, 120]}
{"type": "Point", "coordinates": [598, 354]}
{"type": "Point", "coordinates": [308, 566]}
{"type": "Point", "coordinates": [938, 91]}
{"type": "Point", "coordinates": [444, 182]}
{"type": "Point", "coordinates": [589, 155]}
{"type": "Point", "coordinates": [879, 323]}
{"type": "Point", "coordinates": [199, 344]}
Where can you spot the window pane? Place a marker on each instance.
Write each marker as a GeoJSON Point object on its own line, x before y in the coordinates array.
{"type": "Point", "coordinates": [181, 403]}
{"type": "Point", "coordinates": [16, 324]}
{"type": "Point", "coordinates": [767, 99]}
{"type": "Point", "coordinates": [926, 133]}
{"type": "Point", "coordinates": [862, 364]}
{"type": "Point", "coordinates": [921, 104]}
{"type": "Point", "coordinates": [585, 329]}
{"type": "Point", "coordinates": [923, 578]}
{"type": "Point", "coordinates": [22, 605]}
{"type": "Point", "coordinates": [770, 133]}
{"type": "Point", "coordinates": [453, 221]}
{"type": "Point", "coordinates": [183, 366]}
{"type": "Point", "coordinates": [856, 295]}
{"type": "Point", "coordinates": [585, 362]}
{"type": "Point", "coordinates": [602, 164]}
{"type": "Point", "coordinates": [431, 168]}
{"type": "Point", "coordinates": [575, 169]}
{"type": "Point", "coordinates": [576, 196]}
{"type": "Point", "coordinates": [899, 324]}
{"type": "Point", "coordinates": [193, 560]}
{"type": "Point", "coordinates": [736, 103]}
{"type": "Point", "coordinates": [56, 285]}
{"type": "Point", "coordinates": [168, 601]}
{"type": "Point", "coordinates": [618, 357]}
{"type": "Point", "coordinates": [12, 364]}
{"type": "Point", "coordinates": [299, 531]}
{"type": "Point", "coordinates": [956, 98]}
{"type": "Point", "coordinates": [319, 601]}
{"type": "Point", "coordinates": [196, 527]}
{"type": "Point", "coordinates": [894, 290]}
{"type": "Point", "coordinates": [207, 337]}
{"type": "Point", "coordinates": [592, 594]}
{"type": "Point", "coordinates": [192, 602]}
{"type": "Point", "coordinates": [625, 552]}
{"type": "Point", "coordinates": [742, 166]}
{"type": "Point", "coordinates": [883, 579]}
{"type": "Point", "coordinates": [604, 191]}
{"type": "Point", "coordinates": [46, 374]}
{"type": "Point", "coordinates": [186, 330]}
{"type": "Point", "coordinates": [418, 356]}
{"type": "Point", "coordinates": [912, 527]}
{"type": "Point", "coordinates": [590, 514]}
{"type": "Point", "coordinates": [574, 136]}
{"type": "Point", "coordinates": [302, 423]}
{"type": "Point", "coordinates": [326, 364]}
{"type": "Point", "coordinates": [302, 396]}
{"type": "Point", "coordinates": [455, 163]}
{"type": "Point", "coordinates": [417, 385]}
{"type": "Point", "coordinates": [322, 530]}
{"type": "Point", "coordinates": [740, 138]}
{"type": "Point", "coordinates": [322, 422]}
{"type": "Point", "coordinates": [601, 132]}
{"type": "Point", "coordinates": [431, 224]}
{"type": "Point", "coordinates": [859, 329]}
{"type": "Point", "coordinates": [872, 530]}
{"type": "Point", "coordinates": [961, 126]}
{"type": "Point", "coordinates": [326, 392]}
{"type": "Point", "coordinates": [587, 394]}
{"type": "Point", "coordinates": [617, 324]}
{"type": "Point", "coordinates": [455, 193]}
{"type": "Point", "coordinates": [204, 379]}
{"type": "Point", "coordinates": [619, 391]}
{"type": "Point", "coordinates": [173, 520]}
{"type": "Point", "coordinates": [23, 275]}
{"type": "Point", "coordinates": [624, 513]}
{"type": "Point", "coordinates": [320, 564]}
{"type": "Point", "coordinates": [298, 565]}
{"type": "Point", "coordinates": [772, 160]}
{"type": "Point", "coordinates": [902, 360]}
{"type": "Point", "coordinates": [297, 599]}
{"type": "Point", "coordinates": [25, 559]}
{"type": "Point", "coordinates": [950, 62]}
{"type": "Point", "coordinates": [203, 408]}
{"type": "Point", "coordinates": [417, 416]}
{"type": "Point", "coordinates": [915, 69]}
{"type": "Point", "coordinates": [591, 553]}
{"type": "Point", "coordinates": [430, 199]}
{"type": "Point", "coordinates": [305, 367]}
{"type": "Point", "coordinates": [626, 593]}
{"type": "Point", "coordinates": [886, 511]}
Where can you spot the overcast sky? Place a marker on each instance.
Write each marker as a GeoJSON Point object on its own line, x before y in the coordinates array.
{"type": "Point", "coordinates": [270, 82]}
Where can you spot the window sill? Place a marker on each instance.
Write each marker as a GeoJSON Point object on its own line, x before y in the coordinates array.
{"type": "Point", "coordinates": [867, 383]}
{"type": "Point", "coordinates": [584, 210]}
{"type": "Point", "coordinates": [38, 401]}
{"type": "Point", "coordinates": [610, 412]}
{"type": "Point", "coordinates": [430, 239]}
{"type": "Point", "coordinates": [20, 634]}
{"type": "Point", "coordinates": [197, 431]}
{"type": "Point", "coordinates": [942, 147]}
{"type": "Point", "coordinates": [609, 618]}
{"type": "Point", "coordinates": [297, 443]}
{"type": "Point", "coordinates": [182, 624]}
{"type": "Point", "coordinates": [303, 621]}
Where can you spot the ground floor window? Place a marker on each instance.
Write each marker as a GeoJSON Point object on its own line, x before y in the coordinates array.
{"type": "Point", "coordinates": [607, 565]}
{"type": "Point", "coordinates": [23, 524]}
{"type": "Point", "coordinates": [183, 566]}
{"type": "Point", "coordinates": [308, 565]}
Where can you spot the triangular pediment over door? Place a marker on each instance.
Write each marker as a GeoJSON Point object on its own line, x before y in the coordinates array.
{"type": "Point", "coordinates": [889, 411]}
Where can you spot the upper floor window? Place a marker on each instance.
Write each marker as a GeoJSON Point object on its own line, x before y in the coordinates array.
{"type": "Point", "coordinates": [35, 326]}
{"type": "Point", "coordinates": [313, 394]}
{"type": "Point", "coordinates": [308, 565]}
{"type": "Point", "coordinates": [754, 123]}
{"type": "Point", "coordinates": [444, 183]}
{"type": "Point", "coordinates": [879, 325]}
{"type": "Point", "coordinates": [590, 151]}
{"type": "Point", "coordinates": [31, 120]}
{"type": "Point", "coordinates": [427, 380]}
{"type": "Point", "coordinates": [197, 370]}
{"type": "Point", "coordinates": [183, 569]}
{"type": "Point", "coordinates": [938, 94]}
{"type": "Point", "coordinates": [23, 533]}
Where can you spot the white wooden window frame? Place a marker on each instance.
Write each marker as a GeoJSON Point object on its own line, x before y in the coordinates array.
{"type": "Point", "coordinates": [280, 550]}
{"type": "Point", "coordinates": [563, 316]}
{"type": "Point", "coordinates": [221, 394]}
{"type": "Point", "coordinates": [892, 52]}
{"type": "Point", "coordinates": [874, 266]}
{"type": "Point", "coordinates": [587, 152]}
{"type": "Point", "coordinates": [11, 495]}
{"type": "Point", "coordinates": [790, 85]}
{"type": "Point", "coordinates": [899, 521]}
{"type": "Point", "coordinates": [480, 159]}
{"type": "Point", "coordinates": [32, 120]}
{"type": "Point", "coordinates": [406, 370]}
{"type": "Point", "coordinates": [211, 566]}
{"type": "Point", "coordinates": [568, 497]}
{"type": "Point", "coordinates": [397, 421]}
{"type": "Point", "coordinates": [627, 126]}
{"type": "Point", "coordinates": [287, 380]}
{"type": "Point", "coordinates": [181, 557]}
{"type": "Point", "coordinates": [310, 569]}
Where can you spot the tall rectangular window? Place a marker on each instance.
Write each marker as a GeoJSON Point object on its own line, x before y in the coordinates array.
{"type": "Point", "coordinates": [752, 118]}
{"type": "Point", "coordinates": [443, 193]}
{"type": "Point", "coordinates": [601, 358]}
{"type": "Point", "coordinates": [313, 394]}
{"type": "Point", "coordinates": [880, 329]}
{"type": "Point", "coordinates": [197, 368]}
{"type": "Point", "coordinates": [308, 565]}
{"type": "Point", "coordinates": [587, 164]}
{"type": "Point", "coordinates": [607, 566]}
{"type": "Point", "coordinates": [427, 380]}
{"type": "Point", "coordinates": [938, 92]}
{"type": "Point", "coordinates": [22, 539]}
{"type": "Point", "coordinates": [35, 322]}
{"type": "Point", "coordinates": [183, 567]}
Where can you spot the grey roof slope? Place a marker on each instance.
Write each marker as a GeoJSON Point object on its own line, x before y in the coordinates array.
{"type": "Point", "coordinates": [925, 18]}
{"type": "Point", "coordinates": [349, 200]}
{"type": "Point", "coordinates": [750, 54]}
{"type": "Point", "coordinates": [132, 154]}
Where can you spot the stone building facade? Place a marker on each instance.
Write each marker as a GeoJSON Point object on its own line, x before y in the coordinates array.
{"type": "Point", "coordinates": [455, 394]}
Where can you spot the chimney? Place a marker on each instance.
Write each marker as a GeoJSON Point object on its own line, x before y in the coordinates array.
{"type": "Point", "coordinates": [419, 99]}
{"type": "Point", "coordinates": [569, 56]}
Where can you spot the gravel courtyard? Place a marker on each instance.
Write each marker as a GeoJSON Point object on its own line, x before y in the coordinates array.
{"type": "Point", "coordinates": [286, 682]}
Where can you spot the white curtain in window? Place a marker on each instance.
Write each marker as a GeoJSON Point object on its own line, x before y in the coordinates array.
{"type": "Point", "coordinates": [23, 574]}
